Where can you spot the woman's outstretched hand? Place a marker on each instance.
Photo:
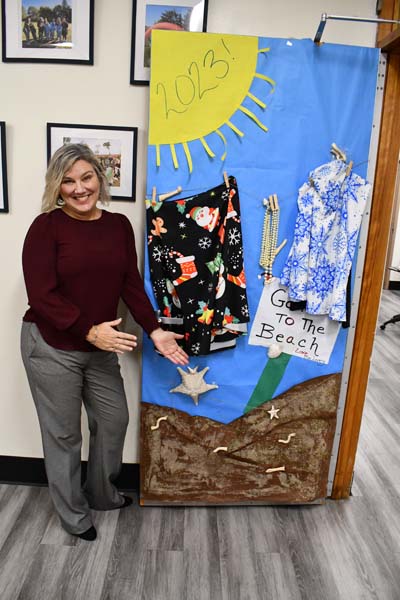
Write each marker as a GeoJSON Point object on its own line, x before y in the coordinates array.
{"type": "Point", "coordinates": [105, 337]}
{"type": "Point", "coordinates": [165, 342]}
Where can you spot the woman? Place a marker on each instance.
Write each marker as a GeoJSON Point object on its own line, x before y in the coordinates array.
{"type": "Point", "coordinates": [78, 261]}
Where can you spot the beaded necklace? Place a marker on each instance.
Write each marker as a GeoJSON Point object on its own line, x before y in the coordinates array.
{"type": "Point", "coordinates": [269, 236]}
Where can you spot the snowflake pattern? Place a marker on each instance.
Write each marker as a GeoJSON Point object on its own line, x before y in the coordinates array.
{"type": "Point", "coordinates": [157, 254]}
{"type": "Point", "coordinates": [245, 310]}
{"type": "Point", "coordinates": [302, 226]}
{"type": "Point", "coordinates": [333, 195]}
{"type": "Point", "coordinates": [295, 268]}
{"type": "Point", "coordinates": [352, 244]}
{"type": "Point", "coordinates": [339, 243]}
{"type": "Point", "coordinates": [321, 279]}
{"type": "Point", "coordinates": [204, 243]}
{"type": "Point", "coordinates": [234, 236]}
{"type": "Point", "coordinates": [307, 199]}
{"type": "Point", "coordinates": [225, 195]}
{"type": "Point", "coordinates": [318, 242]}
{"type": "Point", "coordinates": [330, 206]}
{"type": "Point", "coordinates": [192, 255]}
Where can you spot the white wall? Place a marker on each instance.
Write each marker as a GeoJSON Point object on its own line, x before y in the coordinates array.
{"type": "Point", "coordinates": [33, 94]}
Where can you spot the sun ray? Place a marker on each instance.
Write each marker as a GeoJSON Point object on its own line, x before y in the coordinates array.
{"type": "Point", "coordinates": [174, 157]}
{"type": "Point", "coordinates": [207, 148]}
{"type": "Point", "coordinates": [266, 78]}
{"type": "Point", "coordinates": [202, 91]}
{"type": "Point", "coordinates": [252, 116]}
{"type": "Point", "coordinates": [188, 156]}
{"type": "Point", "coordinates": [158, 157]}
{"type": "Point", "coordinates": [256, 100]}
{"type": "Point", "coordinates": [223, 138]}
{"type": "Point", "coordinates": [234, 128]}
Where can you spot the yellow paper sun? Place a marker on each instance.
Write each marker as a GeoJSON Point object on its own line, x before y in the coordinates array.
{"type": "Point", "coordinates": [198, 81]}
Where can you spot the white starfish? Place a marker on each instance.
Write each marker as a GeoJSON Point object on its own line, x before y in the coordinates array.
{"type": "Point", "coordinates": [273, 412]}
{"type": "Point", "coordinates": [193, 383]}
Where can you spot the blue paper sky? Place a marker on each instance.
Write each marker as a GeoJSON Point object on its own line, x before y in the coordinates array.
{"type": "Point", "coordinates": [323, 94]}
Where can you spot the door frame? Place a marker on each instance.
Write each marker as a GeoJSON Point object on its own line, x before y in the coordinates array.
{"type": "Point", "coordinates": [375, 261]}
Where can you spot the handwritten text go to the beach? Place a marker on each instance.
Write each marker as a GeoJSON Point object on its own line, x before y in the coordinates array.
{"type": "Point", "coordinates": [297, 333]}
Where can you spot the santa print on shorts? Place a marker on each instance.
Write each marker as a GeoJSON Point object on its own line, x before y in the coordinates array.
{"type": "Point", "coordinates": [204, 216]}
{"type": "Point", "coordinates": [196, 268]}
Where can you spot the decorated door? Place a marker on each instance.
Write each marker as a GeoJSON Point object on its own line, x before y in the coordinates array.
{"type": "Point", "coordinates": [253, 261]}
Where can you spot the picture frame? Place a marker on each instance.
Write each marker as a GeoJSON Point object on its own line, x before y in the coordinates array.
{"type": "Point", "coordinates": [115, 147]}
{"type": "Point", "coordinates": [184, 15]}
{"type": "Point", "coordinates": [47, 31]}
{"type": "Point", "coordinates": [3, 170]}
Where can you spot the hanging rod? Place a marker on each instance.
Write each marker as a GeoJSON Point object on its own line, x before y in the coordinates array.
{"type": "Point", "coordinates": [325, 17]}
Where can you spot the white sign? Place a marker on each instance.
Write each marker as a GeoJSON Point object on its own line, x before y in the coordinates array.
{"type": "Point", "coordinates": [296, 332]}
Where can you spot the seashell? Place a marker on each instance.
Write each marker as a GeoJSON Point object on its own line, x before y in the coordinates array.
{"type": "Point", "coordinates": [274, 351]}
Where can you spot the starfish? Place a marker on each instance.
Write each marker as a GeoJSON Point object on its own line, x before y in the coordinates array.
{"type": "Point", "coordinates": [273, 412]}
{"type": "Point", "coordinates": [193, 383]}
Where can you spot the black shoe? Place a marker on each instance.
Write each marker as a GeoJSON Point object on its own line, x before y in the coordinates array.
{"type": "Point", "coordinates": [127, 502]}
{"type": "Point", "coordinates": [89, 535]}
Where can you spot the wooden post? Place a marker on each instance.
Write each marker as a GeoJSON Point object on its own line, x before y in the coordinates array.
{"type": "Point", "coordinates": [379, 228]}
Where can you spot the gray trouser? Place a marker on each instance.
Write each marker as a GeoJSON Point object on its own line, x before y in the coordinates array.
{"type": "Point", "coordinates": [60, 381]}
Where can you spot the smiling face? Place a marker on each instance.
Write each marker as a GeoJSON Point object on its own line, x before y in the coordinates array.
{"type": "Point", "coordinates": [80, 189]}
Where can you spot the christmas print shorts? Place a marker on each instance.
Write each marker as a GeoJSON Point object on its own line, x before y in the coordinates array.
{"type": "Point", "coordinates": [196, 268]}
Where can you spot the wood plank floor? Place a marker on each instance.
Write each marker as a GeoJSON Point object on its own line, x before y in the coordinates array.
{"type": "Point", "coordinates": [345, 550]}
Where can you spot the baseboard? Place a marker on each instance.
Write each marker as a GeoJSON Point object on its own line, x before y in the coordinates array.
{"type": "Point", "coordinates": [19, 470]}
{"type": "Point", "coordinates": [394, 285]}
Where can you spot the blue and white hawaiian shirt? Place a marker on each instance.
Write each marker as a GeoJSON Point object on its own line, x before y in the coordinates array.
{"type": "Point", "coordinates": [317, 269]}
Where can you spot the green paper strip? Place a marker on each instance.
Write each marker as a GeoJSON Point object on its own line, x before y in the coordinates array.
{"type": "Point", "coordinates": [268, 382]}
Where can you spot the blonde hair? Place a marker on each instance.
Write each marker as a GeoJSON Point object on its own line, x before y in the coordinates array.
{"type": "Point", "coordinates": [61, 162]}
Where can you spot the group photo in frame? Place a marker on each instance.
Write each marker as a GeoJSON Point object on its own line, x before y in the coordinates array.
{"type": "Point", "coordinates": [115, 148]}
{"type": "Point", "coordinates": [47, 31]}
{"type": "Point", "coordinates": [3, 170]}
{"type": "Point", "coordinates": [167, 15]}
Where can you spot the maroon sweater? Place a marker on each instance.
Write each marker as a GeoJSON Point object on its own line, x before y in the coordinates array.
{"type": "Point", "coordinates": [76, 272]}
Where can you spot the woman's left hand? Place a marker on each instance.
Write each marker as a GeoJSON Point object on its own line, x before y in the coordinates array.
{"type": "Point", "coordinates": [165, 342]}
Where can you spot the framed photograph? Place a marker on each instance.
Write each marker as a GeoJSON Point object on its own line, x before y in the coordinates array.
{"type": "Point", "coordinates": [172, 15]}
{"type": "Point", "coordinates": [3, 170]}
{"type": "Point", "coordinates": [115, 147]}
{"type": "Point", "coordinates": [47, 31]}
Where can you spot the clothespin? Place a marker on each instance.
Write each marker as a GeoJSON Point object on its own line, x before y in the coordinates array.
{"type": "Point", "coordinates": [153, 203]}
{"type": "Point", "coordinates": [272, 202]}
{"type": "Point", "coordinates": [167, 195]}
{"type": "Point", "coordinates": [226, 179]}
{"type": "Point", "coordinates": [338, 153]}
{"type": "Point", "coordinates": [349, 168]}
